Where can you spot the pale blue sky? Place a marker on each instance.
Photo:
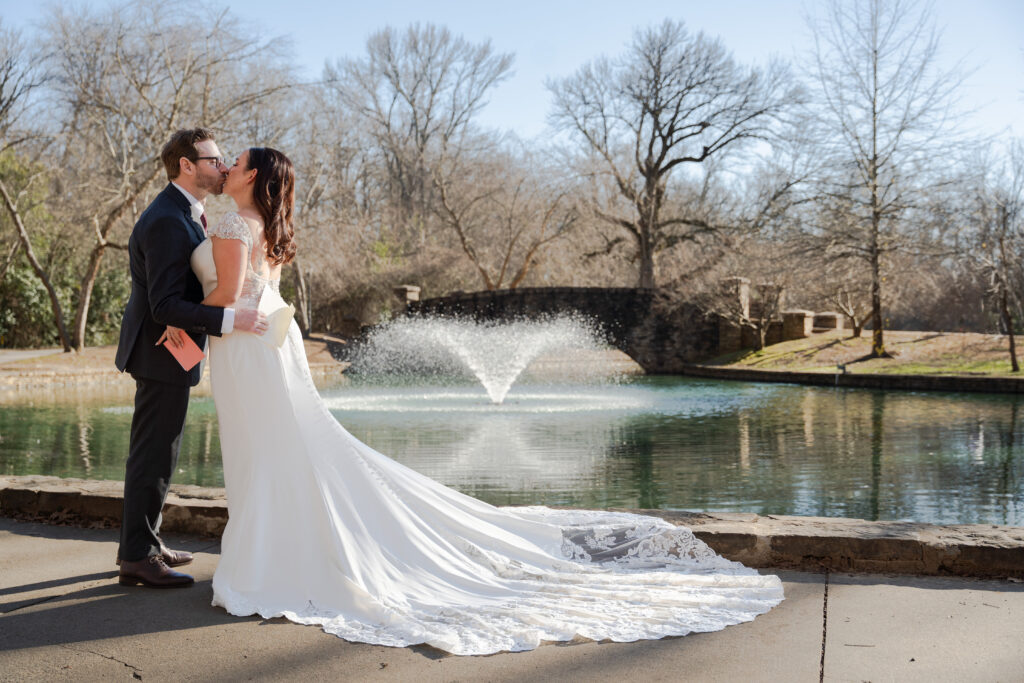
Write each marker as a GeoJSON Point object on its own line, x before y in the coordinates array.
{"type": "Point", "coordinates": [553, 38]}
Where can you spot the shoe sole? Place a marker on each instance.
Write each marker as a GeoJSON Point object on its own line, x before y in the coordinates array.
{"type": "Point", "coordinates": [135, 581]}
{"type": "Point", "coordinates": [176, 564]}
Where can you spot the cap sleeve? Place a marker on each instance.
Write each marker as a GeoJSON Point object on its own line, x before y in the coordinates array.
{"type": "Point", "coordinates": [231, 226]}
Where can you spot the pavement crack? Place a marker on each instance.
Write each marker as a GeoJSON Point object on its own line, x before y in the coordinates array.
{"type": "Point", "coordinates": [136, 671]}
{"type": "Point", "coordinates": [824, 629]}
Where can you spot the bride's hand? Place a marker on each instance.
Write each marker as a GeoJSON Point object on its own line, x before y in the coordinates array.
{"type": "Point", "coordinates": [172, 334]}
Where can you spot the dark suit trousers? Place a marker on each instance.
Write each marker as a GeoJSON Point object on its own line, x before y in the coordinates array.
{"type": "Point", "coordinates": [157, 427]}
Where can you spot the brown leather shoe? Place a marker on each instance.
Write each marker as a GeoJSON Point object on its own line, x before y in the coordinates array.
{"type": "Point", "coordinates": [153, 572]}
{"type": "Point", "coordinates": [173, 558]}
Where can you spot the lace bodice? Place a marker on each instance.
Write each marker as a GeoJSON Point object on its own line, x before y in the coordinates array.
{"type": "Point", "coordinates": [233, 227]}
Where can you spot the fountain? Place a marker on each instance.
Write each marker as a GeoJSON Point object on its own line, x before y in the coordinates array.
{"type": "Point", "coordinates": [494, 352]}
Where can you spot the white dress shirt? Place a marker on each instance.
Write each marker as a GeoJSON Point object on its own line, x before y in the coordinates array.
{"type": "Point", "coordinates": [198, 209]}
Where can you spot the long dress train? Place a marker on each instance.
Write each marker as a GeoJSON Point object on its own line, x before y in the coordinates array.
{"type": "Point", "coordinates": [325, 530]}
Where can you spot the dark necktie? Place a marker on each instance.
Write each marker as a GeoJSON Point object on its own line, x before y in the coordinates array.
{"type": "Point", "coordinates": [202, 219]}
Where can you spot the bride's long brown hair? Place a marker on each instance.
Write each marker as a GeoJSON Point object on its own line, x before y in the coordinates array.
{"type": "Point", "coordinates": [273, 193]}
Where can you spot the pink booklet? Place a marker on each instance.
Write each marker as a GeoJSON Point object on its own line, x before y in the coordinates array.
{"type": "Point", "coordinates": [188, 355]}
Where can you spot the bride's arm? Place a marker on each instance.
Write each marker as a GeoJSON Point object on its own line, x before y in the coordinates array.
{"type": "Point", "coordinates": [229, 257]}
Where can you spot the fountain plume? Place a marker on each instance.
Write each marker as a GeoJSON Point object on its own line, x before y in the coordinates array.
{"type": "Point", "coordinates": [494, 352]}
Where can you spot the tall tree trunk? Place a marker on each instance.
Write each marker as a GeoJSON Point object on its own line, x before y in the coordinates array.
{"type": "Point", "coordinates": [645, 246]}
{"type": "Point", "coordinates": [650, 212]}
{"type": "Point", "coordinates": [1004, 310]}
{"type": "Point", "coordinates": [877, 342]}
{"type": "Point", "coordinates": [302, 299]}
{"type": "Point", "coordinates": [92, 271]}
{"type": "Point", "coordinates": [646, 280]}
{"type": "Point", "coordinates": [88, 282]}
{"type": "Point", "coordinates": [26, 244]}
{"type": "Point", "coordinates": [1004, 291]}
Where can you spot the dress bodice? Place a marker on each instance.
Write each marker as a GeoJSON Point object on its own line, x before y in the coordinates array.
{"type": "Point", "coordinates": [233, 226]}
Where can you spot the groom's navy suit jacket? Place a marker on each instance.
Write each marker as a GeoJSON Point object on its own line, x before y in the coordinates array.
{"type": "Point", "coordinates": [165, 291]}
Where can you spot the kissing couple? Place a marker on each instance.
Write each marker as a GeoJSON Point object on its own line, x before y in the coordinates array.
{"type": "Point", "coordinates": [325, 530]}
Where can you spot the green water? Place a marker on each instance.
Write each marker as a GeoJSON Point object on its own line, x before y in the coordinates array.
{"type": "Point", "coordinates": [650, 443]}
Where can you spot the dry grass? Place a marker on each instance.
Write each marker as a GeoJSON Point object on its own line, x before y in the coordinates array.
{"type": "Point", "coordinates": [942, 353]}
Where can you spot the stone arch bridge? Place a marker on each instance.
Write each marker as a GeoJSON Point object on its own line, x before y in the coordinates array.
{"type": "Point", "coordinates": [662, 337]}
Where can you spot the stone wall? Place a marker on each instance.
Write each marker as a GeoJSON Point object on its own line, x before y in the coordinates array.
{"type": "Point", "coordinates": [661, 334]}
{"type": "Point", "coordinates": [775, 541]}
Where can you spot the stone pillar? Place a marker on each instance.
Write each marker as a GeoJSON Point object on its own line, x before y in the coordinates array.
{"type": "Point", "coordinates": [407, 293]}
{"type": "Point", "coordinates": [828, 321]}
{"type": "Point", "coordinates": [797, 324]}
{"type": "Point", "coordinates": [737, 295]}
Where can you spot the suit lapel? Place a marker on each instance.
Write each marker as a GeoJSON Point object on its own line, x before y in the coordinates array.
{"type": "Point", "coordinates": [195, 229]}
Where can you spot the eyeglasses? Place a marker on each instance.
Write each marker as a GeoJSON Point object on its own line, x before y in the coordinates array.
{"type": "Point", "coordinates": [217, 161]}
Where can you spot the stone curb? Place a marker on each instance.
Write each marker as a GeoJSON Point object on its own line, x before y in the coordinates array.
{"type": "Point", "coordinates": [770, 541]}
{"type": "Point", "coordinates": [995, 385]}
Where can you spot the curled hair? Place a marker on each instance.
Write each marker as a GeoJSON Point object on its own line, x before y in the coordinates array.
{"type": "Point", "coordinates": [182, 144]}
{"type": "Point", "coordinates": [273, 193]}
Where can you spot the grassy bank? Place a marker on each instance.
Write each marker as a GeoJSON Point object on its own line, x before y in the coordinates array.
{"type": "Point", "coordinates": [912, 353]}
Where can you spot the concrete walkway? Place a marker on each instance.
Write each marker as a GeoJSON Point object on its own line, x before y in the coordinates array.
{"type": "Point", "coordinates": [64, 617]}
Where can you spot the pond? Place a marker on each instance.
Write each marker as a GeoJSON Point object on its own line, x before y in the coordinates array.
{"type": "Point", "coordinates": [646, 442]}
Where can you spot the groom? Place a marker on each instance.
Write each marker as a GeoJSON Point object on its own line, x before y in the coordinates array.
{"type": "Point", "coordinates": [165, 292]}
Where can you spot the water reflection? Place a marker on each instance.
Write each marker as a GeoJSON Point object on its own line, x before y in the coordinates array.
{"type": "Point", "coordinates": [651, 443]}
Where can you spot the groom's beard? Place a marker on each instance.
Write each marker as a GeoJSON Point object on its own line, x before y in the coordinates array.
{"type": "Point", "coordinates": [211, 184]}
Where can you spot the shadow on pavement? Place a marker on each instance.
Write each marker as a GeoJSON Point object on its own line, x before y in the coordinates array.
{"type": "Point", "coordinates": [110, 611]}
{"type": "Point", "coordinates": [29, 587]}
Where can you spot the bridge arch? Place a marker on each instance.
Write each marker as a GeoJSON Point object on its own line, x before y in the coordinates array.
{"type": "Point", "coordinates": [661, 336]}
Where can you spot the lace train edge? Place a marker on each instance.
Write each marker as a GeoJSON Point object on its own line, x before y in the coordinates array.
{"type": "Point", "coordinates": [526, 623]}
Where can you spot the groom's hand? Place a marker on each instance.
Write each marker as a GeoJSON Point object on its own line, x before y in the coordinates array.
{"type": "Point", "coordinates": [173, 335]}
{"type": "Point", "coordinates": [250, 320]}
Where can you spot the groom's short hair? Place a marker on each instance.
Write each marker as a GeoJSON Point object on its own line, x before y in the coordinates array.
{"type": "Point", "coordinates": [182, 144]}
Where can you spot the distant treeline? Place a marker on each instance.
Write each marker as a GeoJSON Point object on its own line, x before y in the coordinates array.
{"type": "Point", "coordinates": [842, 182]}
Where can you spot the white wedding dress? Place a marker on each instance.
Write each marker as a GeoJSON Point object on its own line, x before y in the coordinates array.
{"type": "Point", "coordinates": [324, 530]}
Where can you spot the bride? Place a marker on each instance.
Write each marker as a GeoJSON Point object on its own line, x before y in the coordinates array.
{"type": "Point", "coordinates": [324, 530]}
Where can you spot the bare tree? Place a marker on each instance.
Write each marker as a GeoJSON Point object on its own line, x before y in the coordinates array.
{"type": "Point", "coordinates": [335, 197]}
{"type": "Point", "coordinates": [998, 217]}
{"type": "Point", "coordinates": [416, 92]}
{"type": "Point", "coordinates": [885, 109]}
{"type": "Point", "coordinates": [125, 79]}
{"type": "Point", "coordinates": [505, 209]}
{"type": "Point", "coordinates": [21, 73]}
{"type": "Point", "coordinates": [672, 99]}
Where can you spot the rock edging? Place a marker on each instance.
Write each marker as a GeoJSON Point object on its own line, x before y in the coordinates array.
{"type": "Point", "coordinates": [995, 385]}
{"type": "Point", "coordinates": [769, 541]}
